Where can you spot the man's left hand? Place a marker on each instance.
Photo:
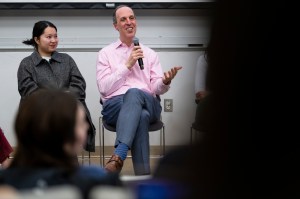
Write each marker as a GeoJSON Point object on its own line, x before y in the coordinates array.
{"type": "Point", "coordinates": [168, 76]}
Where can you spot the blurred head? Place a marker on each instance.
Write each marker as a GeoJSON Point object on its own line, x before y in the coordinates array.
{"type": "Point", "coordinates": [51, 130]}
{"type": "Point", "coordinates": [44, 37]}
{"type": "Point", "coordinates": [125, 22]}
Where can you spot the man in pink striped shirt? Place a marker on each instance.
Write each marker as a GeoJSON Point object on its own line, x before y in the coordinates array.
{"type": "Point", "coordinates": [130, 95]}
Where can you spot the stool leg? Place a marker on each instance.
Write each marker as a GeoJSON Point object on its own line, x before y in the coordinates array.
{"type": "Point", "coordinates": [160, 142]}
{"type": "Point", "coordinates": [103, 155]}
{"type": "Point", "coordinates": [82, 157]}
{"type": "Point", "coordinates": [164, 140]}
{"type": "Point", "coordinates": [100, 141]}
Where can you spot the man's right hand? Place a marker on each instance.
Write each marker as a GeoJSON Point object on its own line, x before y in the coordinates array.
{"type": "Point", "coordinates": [134, 56]}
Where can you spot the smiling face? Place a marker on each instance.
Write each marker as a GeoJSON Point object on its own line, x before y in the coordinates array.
{"type": "Point", "coordinates": [47, 42]}
{"type": "Point", "coordinates": [125, 24]}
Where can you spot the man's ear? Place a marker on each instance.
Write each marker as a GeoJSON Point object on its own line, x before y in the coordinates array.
{"type": "Point", "coordinates": [115, 26]}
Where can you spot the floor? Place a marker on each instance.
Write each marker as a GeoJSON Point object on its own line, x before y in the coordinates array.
{"type": "Point", "coordinates": [127, 168]}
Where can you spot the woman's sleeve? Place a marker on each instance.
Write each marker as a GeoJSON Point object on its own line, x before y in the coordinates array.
{"type": "Point", "coordinates": [26, 84]}
{"type": "Point", "coordinates": [77, 83]}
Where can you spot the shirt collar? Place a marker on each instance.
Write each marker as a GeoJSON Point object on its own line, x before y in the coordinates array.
{"type": "Point", "coordinates": [56, 57]}
{"type": "Point", "coordinates": [36, 57]}
{"type": "Point", "coordinates": [119, 43]}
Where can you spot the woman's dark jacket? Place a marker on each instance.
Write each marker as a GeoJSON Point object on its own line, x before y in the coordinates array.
{"type": "Point", "coordinates": [61, 72]}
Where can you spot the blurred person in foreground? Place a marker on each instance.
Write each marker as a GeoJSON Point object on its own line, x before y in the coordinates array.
{"type": "Point", "coordinates": [8, 192]}
{"type": "Point", "coordinates": [51, 129]}
{"type": "Point", "coordinates": [251, 146]}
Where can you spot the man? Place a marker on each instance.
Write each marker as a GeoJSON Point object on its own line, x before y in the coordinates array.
{"type": "Point", "coordinates": [129, 94]}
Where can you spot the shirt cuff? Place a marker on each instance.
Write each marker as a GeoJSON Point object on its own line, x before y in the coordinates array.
{"type": "Point", "coordinates": [163, 87]}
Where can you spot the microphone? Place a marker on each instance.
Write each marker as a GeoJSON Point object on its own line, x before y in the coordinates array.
{"type": "Point", "coordinates": [140, 60]}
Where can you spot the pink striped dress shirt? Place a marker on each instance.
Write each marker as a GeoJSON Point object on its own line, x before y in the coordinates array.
{"type": "Point", "coordinates": [114, 78]}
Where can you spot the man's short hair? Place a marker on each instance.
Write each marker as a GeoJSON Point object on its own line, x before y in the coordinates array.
{"type": "Point", "coordinates": [115, 11]}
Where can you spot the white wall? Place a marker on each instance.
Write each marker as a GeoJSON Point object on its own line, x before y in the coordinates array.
{"type": "Point", "coordinates": [17, 25]}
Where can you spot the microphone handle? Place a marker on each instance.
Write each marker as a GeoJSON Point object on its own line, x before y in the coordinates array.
{"type": "Point", "coordinates": [140, 60]}
{"type": "Point", "coordinates": [141, 64]}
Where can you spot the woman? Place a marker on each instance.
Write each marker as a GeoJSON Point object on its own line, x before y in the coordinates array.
{"type": "Point", "coordinates": [200, 91]}
{"type": "Point", "coordinates": [200, 72]}
{"type": "Point", "coordinates": [51, 129]}
{"type": "Point", "coordinates": [46, 68]}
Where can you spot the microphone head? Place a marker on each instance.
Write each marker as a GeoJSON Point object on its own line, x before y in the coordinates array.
{"type": "Point", "coordinates": [135, 40]}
